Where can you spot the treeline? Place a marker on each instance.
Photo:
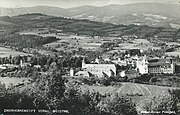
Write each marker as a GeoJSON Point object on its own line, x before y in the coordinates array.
{"type": "Point", "coordinates": [41, 63]}
{"type": "Point", "coordinates": [25, 41]}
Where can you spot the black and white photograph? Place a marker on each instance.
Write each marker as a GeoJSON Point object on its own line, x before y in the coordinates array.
{"type": "Point", "coordinates": [89, 57]}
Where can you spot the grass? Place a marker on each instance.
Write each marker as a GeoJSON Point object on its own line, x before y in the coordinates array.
{"type": "Point", "coordinates": [140, 91]}
{"type": "Point", "coordinates": [130, 88]}
{"type": "Point", "coordinates": [73, 42]}
{"type": "Point", "coordinates": [138, 44]}
{"type": "Point", "coordinates": [4, 23]}
{"type": "Point", "coordinates": [15, 81]}
{"type": "Point", "coordinates": [5, 52]}
{"type": "Point", "coordinates": [174, 53]}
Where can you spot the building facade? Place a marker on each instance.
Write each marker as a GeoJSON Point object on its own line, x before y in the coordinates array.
{"type": "Point", "coordinates": [155, 66]}
{"type": "Point", "coordinates": [158, 66]}
{"type": "Point", "coordinates": [98, 70]}
{"type": "Point", "coordinates": [142, 65]}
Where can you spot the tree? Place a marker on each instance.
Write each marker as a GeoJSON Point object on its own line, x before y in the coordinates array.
{"type": "Point", "coordinates": [79, 102]}
{"type": "Point", "coordinates": [160, 103]}
{"type": "Point", "coordinates": [117, 105]}
{"type": "Point", "coordinates": [48, 90]}
{"type": "Point", "coordinates": [12, 98]}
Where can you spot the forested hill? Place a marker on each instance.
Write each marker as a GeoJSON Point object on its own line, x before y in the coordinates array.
{"type": "Point", "coordinates": [152, 14]}
{"type": "Point", "coordinates": [81, 27]}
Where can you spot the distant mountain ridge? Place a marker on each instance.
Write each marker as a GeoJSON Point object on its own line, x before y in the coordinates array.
{"type": "Point", "coordinates": [153, 14]}
{"type": "Point", "coordinates": [39, 21]}
{"type": "Point", "coordinates": [54, 11]}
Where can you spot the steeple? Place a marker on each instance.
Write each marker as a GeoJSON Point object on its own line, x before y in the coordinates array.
{"type": "Point", "coordinates": [21, 62]}
{"type": "Point", "coordinates": [83, 63]}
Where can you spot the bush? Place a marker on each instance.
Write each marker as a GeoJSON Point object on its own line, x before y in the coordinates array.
{"type": "Point", "coordinates": [117, 105]}
{"type": "Point", "coordinates": [163, 102]}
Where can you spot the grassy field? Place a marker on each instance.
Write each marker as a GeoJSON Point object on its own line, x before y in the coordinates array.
{"type": "Point", "coordinates": [37, 31]}
{"type": "Point", "coordinates": [140, 91]}
{"type": "Point", "coordinates": [4, 23]}
{"type": "Point", "coordinates": [15, 81]}
{"type": "Point", "coordinates": [174, 53]}
{"type": "Point", "coordinates": [172, 43]}
{"type": "Point", "coordinates": [130, 88]}
{"type": "Point", "coordinates": [73, 42]}
{"type": "Point", "coordinates": [5, 52]}
{"type": "Point", "coordinates": [138, 44]}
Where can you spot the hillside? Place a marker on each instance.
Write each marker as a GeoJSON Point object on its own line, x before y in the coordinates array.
{"type": "Point", "coordinates": [138, 91]}
{"type": "Point", "coordinates": [54, 11]}
{"type": "Point", "coordinates": [129, 88]}
{"type": "Point", "coordinates": [40, 21]}
{"type": "Point", "coordinates": [152, 14]}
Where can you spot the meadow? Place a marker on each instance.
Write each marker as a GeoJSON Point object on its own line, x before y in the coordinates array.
{"type": "Point", "coordinates": [13, 81]}
{"type": "Point", "coordinates": [137, 44]}
{"type": "Point", "coordinates": [6, 52]}
{"type": "Point", "coordinates": [174, 53]}
{"type": "Point", "coordinates": [139, 92]}
{"type": "Point", "coordinates": [73, 42]}
{"type": "Point", "coordinates": [130, 89]}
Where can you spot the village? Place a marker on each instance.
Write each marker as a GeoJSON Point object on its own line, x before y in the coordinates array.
{"type": "Point", "coordinates": [131, 63]}
{"type": "Point", "coordinates": [83, 67]}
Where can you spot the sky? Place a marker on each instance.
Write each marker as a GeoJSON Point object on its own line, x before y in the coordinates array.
{"type": "Point", "coordinates": [73, 3]}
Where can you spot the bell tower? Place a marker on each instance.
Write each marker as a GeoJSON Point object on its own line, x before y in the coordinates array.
{"type": "Point", "coordinates": [83, 63]}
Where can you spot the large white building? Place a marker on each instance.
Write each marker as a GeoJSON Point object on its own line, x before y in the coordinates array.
{"type": "Point", "coordinates": [142, 65]}
{"type": "Point", "coordinates": [158, 66]}
{"type": "Point", "coordinates": [97, 70]}
{"type": "Point", "coordinates": [155, 66]}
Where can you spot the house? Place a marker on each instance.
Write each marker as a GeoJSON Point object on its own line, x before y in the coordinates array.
{"type": "Point", "coordinates": [157, 66]}
{"type": "Point", "coordinates": [97, 70]}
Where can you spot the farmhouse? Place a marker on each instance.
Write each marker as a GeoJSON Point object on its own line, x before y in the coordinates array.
{"type": "Point", "coordinates": [97, 70]}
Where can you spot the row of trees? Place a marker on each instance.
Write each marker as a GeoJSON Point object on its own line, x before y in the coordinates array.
{"type": "Point", "coordinates": [26, 41]}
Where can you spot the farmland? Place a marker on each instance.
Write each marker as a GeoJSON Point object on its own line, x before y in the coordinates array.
{"type": "Point", "coordinates": [14, 81]}
{"type": "Point", "coordinates": [138, 44]}
{"type": "Point", "coordinates": [139, 91]}
{"type": "Point", "coordinates": [174, 53]}
{"type": "Point", "coordinates": [129, 88]}
{"type": "Point", "coordinates": [73, 42]}
{"type": "Point", "coordinates": [5, 52]}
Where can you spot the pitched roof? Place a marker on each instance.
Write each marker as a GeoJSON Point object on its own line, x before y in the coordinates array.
{"type": "Point", "coordinates": [160, 62]}
{"type": "Point", "coordinates": [101, 65]}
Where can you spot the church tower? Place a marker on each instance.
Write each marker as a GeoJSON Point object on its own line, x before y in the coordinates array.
{"type": "Point", "coordinates": [71, 72]}
{"type": "Point", "coordinates": [21, 62]}
{"type": "Point", "coordinates": [83, 63]}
